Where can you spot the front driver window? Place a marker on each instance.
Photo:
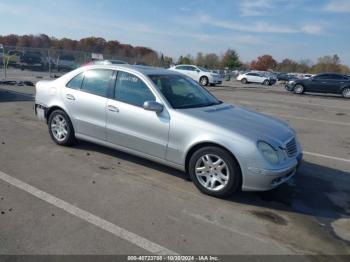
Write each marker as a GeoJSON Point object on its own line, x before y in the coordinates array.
{"type": "Point", "coordinates": [132, 90]}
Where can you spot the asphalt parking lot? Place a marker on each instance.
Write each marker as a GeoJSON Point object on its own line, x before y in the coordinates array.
{"type": "Point", "coordinates": [88, 199]}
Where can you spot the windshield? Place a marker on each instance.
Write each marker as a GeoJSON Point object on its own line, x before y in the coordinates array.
{"type": "Point", "coordinates": [183, 92]}
{"type": "Point", "coordinates": [203, 69]}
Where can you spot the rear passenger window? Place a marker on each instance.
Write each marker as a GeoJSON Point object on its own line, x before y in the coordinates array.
{"type": "Point", "coordinates": [132, 90]}
{"type": "Point", "coordinates": [75, 82]}
{"type": "Point", "coordinates": [97, 81]}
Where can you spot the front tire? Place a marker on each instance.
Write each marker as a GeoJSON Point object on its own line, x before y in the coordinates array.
{"type": "Point", "coordinates": [244, 81]}
{"type": "Point", "coordinates": [346, 93]}
{"type": "Point", "coordinates": [298, 89]}
{"type": "Point", "coordinates": [204, 81]}
{"type": "Point", "coordinates": [266, 82]}
{"type": "Point", "coordinates": [60, 128]}
{"type": "Point", "coordinates": [215, 172]}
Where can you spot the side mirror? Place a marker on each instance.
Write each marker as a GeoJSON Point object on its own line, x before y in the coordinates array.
{"type": "Point", "coordinates": [153, 106]}
{"type": "Point", "coordinates": [197, 70]}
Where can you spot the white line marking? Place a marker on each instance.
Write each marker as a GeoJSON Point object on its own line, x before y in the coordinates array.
{"type": "Point", "coordinates": [325, 156]}
{"type": "Point", "coordinates": [310, 119]}
{"type": "Point", "coordinates": [88, 217]}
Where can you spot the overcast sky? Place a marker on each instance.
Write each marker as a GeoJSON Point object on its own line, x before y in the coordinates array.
{"type": "Point", "coordinates": [297, 29]}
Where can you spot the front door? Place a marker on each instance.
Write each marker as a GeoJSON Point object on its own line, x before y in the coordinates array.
{"type": "Point", "coordinates": [319, 83]}
{"type": "Point", "coordinates": [131, 126]}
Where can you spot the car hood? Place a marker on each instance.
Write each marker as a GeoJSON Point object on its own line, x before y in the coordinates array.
{"type": "Point", "coordinates": [243, 122]}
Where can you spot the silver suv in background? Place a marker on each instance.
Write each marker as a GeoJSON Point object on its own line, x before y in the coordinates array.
{"type": "Point", "coordinates": [199, 74]}
{"type": "Point", "coordinates": [167, 117]}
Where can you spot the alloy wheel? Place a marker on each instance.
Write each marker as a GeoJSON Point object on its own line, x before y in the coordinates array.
{"type": "Point", "coordinates": [299, 89]}
{"type": "Point", "coordinates": [346, 92]}
{"type": "Point", "coordinates": [204, 81]}
{"type": "Point", "coordinates": [212, 172]}
{"type": "Point", "coordinates": [59, 127]}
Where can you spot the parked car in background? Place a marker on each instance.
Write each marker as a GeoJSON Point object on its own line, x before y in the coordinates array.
{"type": "Point", "coordinates": [256, 77]}
{"type": "Point", "coordinates": [2, 53]}
{"type": "Point", "coordinates": [199, 74]}
{"type": "Point", "coordinates": [167, 117]}
{"type": "Point", "coordinates": [106, 62]}
{"type": "Point", "coordinates": [66, 63]}
{"type": "Point", "coordinates": [32, 60]}
{"type": "Point", "coordinates": [109, 62]}
{"type": "Point", "coordinates": [322, 83]}
{"type": "Point", "coordinates": [283, 77]}
{"type": "Point", "coordinates": [224, 74]}
{"type": "Point", "coordinates": [14, 57]}
{"type": "Point", "coordinates": [306, 76]}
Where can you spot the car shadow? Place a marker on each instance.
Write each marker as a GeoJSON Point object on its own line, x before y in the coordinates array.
{"type": "Point", "coordinates": [13, 96]}
{"type": "Point", "coordinates": [307, 193]}
{"type": "Point", "coordinates": [313, 191]}
{"type": "Point", "coordinates": [322, 95]}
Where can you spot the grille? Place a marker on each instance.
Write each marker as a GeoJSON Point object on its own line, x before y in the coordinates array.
{"type": "Point", "coordinates": [291, 148]}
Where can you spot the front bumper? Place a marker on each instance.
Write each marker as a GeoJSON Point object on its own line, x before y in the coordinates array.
{"type": "Point", "coordinates": [258, 179]}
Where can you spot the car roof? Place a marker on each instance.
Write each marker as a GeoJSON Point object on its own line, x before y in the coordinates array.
{"type": "Point", "coordinates": [146, 70]}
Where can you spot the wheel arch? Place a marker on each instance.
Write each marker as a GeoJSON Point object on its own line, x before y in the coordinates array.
{"type": "Point", "coordinates": [52, 109]}
{"type": "Point", "coordinates": [200, 145]}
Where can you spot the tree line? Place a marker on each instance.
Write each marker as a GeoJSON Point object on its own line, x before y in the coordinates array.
{"type": "Point", "coordinates": [90, 44]}
{"type": "Point", "coordinates": [229, 60]}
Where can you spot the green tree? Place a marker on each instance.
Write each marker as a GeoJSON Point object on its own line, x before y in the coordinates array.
{"type": "Point", "coordinates": [185, 60]}
{"type": "Point", "coordinates": [328, 64]}
{"type": "Point", "coordinates": [231, 59]}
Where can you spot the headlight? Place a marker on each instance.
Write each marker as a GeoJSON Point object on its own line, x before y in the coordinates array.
{"type": "Point", "coordinates": [269, 153]}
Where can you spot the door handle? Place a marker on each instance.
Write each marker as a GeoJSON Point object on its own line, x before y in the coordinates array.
{"type": "Point", "coordinates": [70, 97]}
{"type": "Point", "coordinates": [324, 82]}
{"type": "Point", "coordinates": [112, 108]}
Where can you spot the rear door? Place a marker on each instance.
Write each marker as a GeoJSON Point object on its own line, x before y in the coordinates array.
{"type": "Point", "coordinates": [131, 126]}
{"type": "Point", "coordinates": [85, 97]}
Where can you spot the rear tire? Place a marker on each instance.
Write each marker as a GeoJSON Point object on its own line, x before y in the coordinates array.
{"type": "Point", "coordinates": [346, 92]}
{"type": "Point", "coordinates": [61, 129]}
{"type": "Point", "coordinates": [298, 89]}
{"type": "Point", "coordinates": [266, 82]}
{"type": "Point", "coordinates": [214, 171]}
{"type": "Point", "coordinates": [244, 81]}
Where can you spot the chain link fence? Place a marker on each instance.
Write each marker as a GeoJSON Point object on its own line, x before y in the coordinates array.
{"type": "Point", "coordinates": [33, 64]}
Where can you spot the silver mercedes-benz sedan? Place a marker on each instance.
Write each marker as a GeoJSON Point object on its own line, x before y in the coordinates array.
{"type": "Point", "coordinates": [169, 118]}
